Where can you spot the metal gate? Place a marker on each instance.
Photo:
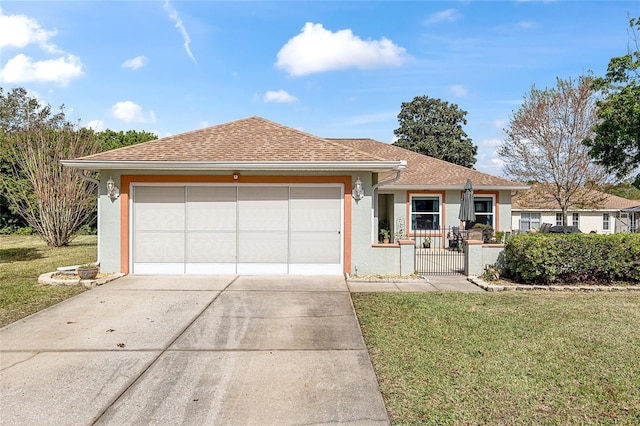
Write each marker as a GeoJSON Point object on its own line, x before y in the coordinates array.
{"type": "Point", "coordinates": [439, 251]}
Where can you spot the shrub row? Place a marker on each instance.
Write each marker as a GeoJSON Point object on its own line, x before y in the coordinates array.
{"type": "Point", "coordinates": [570, 258]}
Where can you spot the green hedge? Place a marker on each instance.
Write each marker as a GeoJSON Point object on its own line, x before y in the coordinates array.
{"type": "Point", "coordinates": [571, 258]}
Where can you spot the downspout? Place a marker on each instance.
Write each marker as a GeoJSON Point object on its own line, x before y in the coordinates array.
{"type": "Point", "coordinates": [97, 182]}
{"type": "Point", "coordinates": [374, 188]}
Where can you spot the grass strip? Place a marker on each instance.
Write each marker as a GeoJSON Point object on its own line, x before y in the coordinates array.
{"type": "Point", "coordinates": [505, 358]}
{"type": "Point", "coordinates": [22, 259]}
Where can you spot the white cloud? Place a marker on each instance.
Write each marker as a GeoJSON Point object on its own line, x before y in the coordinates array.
{"type": "Point", "coordinates": [173, 15]}
{"type": "Point", "coordinates": [316, 49]}
{"type": "Point", "coordinates": [130, 112]}
{"type": "Point", "coordinates": [499, 124]}
{"type": "Point", "coordinates": [448, 15]}
{"type": "Point", "coordinates": [280, 96]}
{"type": "Point", "coordinates": [20, 30]}
{"type": "Point", "coordinates": [22, 69]}
{"type": "Point", "coordinates": [491, 142]}
{"type": "Point", "coordinates": [491, 164]}
{"type": "Point", "coordinates": [526, 25]}
{"type": "Point", "coordinates": [96, 125]}
{"type": "Point", "coordinates": [203, 124]}
{"type": "Point", "coordinates": [459, 90]}
{"type": "Point", "coordinates": [135, 63]}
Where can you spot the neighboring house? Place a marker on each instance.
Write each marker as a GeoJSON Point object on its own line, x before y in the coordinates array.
{"type": "Point", "coordinates": [631, 216]}
{"type": "Point", "coordinates": [593, 211]}
{"type": "Point", "coordinates": [255, 197]}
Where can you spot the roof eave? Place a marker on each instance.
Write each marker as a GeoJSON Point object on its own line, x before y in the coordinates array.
{"type": "Point", "coordinates": [374, 166]}
{"type": "Point", "coordinates": [457, 187]}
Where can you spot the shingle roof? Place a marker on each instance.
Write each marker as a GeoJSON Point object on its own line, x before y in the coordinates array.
{"type": "Point", "coordinates": [256, 139]}
{"type": "Point", "coordinates": [424, 170]}
{"type": "Point", "coordinates": [540, 198]}
{"type": "Point", "coordinates": [249, 139]}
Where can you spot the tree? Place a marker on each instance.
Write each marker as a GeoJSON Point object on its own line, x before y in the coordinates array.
{"type": "Point", "coordinates": [625, 190]}
{"type": "Point", "coordinates": [110, 139]}
{"type": "Point", "coordinates": [616, 143]}
{"type": "Point", "coordinates": [21, 115]}
{"type": "Point", "coordinates": [434, 128]}
{"type": "Point", "coordinates": [53, 199]}
{"type": "Point", "coordinates": [18, 112]}
{"type": "Point", "coordinates": [544, 144]}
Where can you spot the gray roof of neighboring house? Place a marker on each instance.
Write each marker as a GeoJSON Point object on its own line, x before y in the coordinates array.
{"type": "Point", "coordinates": [540, 197]}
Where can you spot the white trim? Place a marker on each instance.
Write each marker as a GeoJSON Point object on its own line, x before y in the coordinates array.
{"type": "Point", "coordinates": [237, 165]}
{"type": "Point", "coordinates": [210, 268]}
{"type": "Point", "coordinates": [459, 187]}
{"type": "Point", "coordinates": [425, 195]}
{"type": "Point", "coordinates": [494, 212]}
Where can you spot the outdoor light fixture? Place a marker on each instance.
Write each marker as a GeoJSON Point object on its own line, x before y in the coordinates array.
{"type": "Point", "coordinates": [112, 190]}
{"type": "Point", "coordinates": [357, 193]}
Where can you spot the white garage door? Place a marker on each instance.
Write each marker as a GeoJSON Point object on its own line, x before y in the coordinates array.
{"type": "Point", "coordinates": [215, 229]}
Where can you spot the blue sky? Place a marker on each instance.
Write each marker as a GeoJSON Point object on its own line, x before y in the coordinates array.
{"type": "Point", "coordinates": [330, 68]}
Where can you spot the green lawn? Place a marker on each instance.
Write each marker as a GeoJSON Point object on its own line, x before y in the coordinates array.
{"type": "Point", "coordinates": [22, 260]}
{"type": "Point", "coordinates": [506, 357]}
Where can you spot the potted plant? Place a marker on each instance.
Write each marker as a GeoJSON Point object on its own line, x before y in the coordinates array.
{"type": "Point", "coordinates": [480, 231]}
{"type": "Point", "coordinates": [88, 271]}
{"type": "Point", "coordinates": [426, 243]}
{"type": "Point", "coordinates": [384, 231]}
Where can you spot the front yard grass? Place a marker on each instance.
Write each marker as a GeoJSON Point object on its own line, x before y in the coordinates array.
{"type": "Point", "coordinates": [505, 358]}
{"type": "Point", "coordinates": [22, 259]}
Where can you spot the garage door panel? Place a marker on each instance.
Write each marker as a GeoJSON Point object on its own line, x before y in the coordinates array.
{"type": "Point", "coordinates": [315, 247]}
{"type": "Point", "coordinates": [211, 247]}
{"type": "Point", "coordinates": [263, 208]}
{"type": "Point", "coordinates": [263, 247]}
{"type": "Point", "coordinates": [159, 208]}
{"type": "Point", "coordinates": [211, 208]}
{"type": "Point", "coordinates": [315, 208]}
{"type": "Point", "coordinates": [159, 247]}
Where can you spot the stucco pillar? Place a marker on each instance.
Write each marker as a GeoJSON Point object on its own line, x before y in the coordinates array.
{"type": "Point", "coordinates": [473, 257]}
{"type": "Point", "coordinates": [407, 257]}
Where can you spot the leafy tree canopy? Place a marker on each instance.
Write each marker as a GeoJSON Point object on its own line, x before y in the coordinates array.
{"type": "Point", "coordinates": [616, 144]}
{"type": "Point", "coordinates": [111, 139]}
{"type": "Point", "coordinates": [433, 127]}
{"type": "Point", "coordinates": [33, 140]}
{"type": "Point", "coordinates": [624, 190]}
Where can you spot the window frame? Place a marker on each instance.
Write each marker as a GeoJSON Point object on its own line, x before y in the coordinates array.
{"type": "Point", "coordinates": [439, 213]}
{"type": "Point", "coordinates": [559, 219]}
{"type": "Point", "coordinates": [493, 213]}
{"type": "Point", "coordinates": [530, 221]}
{"type": "Point", "coordinates": [606, 221]}
{"type": "Point", "coordinates": [575, 219]}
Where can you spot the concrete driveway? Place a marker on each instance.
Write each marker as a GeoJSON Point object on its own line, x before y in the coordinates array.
{"type": "Point", "coordinates": [192, 351]}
